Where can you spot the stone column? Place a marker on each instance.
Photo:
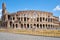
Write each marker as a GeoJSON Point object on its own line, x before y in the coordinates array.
{"type": "Point", "coordinates": [39, 25]}
{"type": "Point", "coordinates": [23, 25]}
{"type": "Point", "coordinates": [14, 26]}
{"type": "Point", "coordinates": [6, 17]}
{"type": "Point", "coordinates": [45, 26]}
{"type": "Point", "coordinates": [15, 17]}
{"type": "Point", "coordinates": [18, 26]}
{"type": "Point", "coordinates": [29, 26]}
{"type": "Point", "coordinates": [42, 26]}
{"type": "Point", "coordinates": [8, 24]}
{"type": "Point", "coordinates": [47, 19]}
{"type": "Point", "coordinates": [26, 25]}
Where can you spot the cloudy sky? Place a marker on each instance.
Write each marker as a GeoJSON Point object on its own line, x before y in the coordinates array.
{"type": "Point", "coordinates": [42, 5]}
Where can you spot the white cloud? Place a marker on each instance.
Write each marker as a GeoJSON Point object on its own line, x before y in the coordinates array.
{"type": "Point", "coordinates": [59, 18]}
{"type": "Point", "coordinates": [0, 10]}
{"type": "Point", "coordinates": [57, 8]}
{"type": "Point", "coordinates": [0, 15]}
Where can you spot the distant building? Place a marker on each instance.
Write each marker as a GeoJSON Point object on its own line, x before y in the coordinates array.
{"type": "Point", "coordinates": [29, 19]}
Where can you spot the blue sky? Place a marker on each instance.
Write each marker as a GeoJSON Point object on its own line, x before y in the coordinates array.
{"type": "Point", "coordinates": [42, 5]}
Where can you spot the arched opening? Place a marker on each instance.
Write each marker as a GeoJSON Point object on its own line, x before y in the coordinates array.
{"type": "Point", "coordinates": [10, 24]}
{"type": "Point", "coordinates": [24, 18]}
{"type": "Point", "coordinates": [48, 26]}
{"type": "Point", "coordinates": [9, 17]}
{"type": "Point", "coordinates": [37, 25]}
{"type": "Point", "coordinates": [40, 25]}
{"type": "Point", "coordinates": [34, 24]}
{"type": "Point", "coordinates": [37, 19]}
{"type": "Point", "coordinates": [31, 25]}
{"type": "Point", "coordinates": [27, 25]}
{"type": "Point", "coordinates": [13, 18]}
{"type": "Point", "coordinates": [24, 25]}
{"type": "Point", "coordinates": [51, 26]}
{"type": "Point", "coordinates": [13, 25]}
{"type": "Point", "coordinates": [21, 25]}
{"type": "Point", "coordinates": [16, 25]}
{"type": "Point", "coordinates": [40, 19]}
{"type": "Point", "coordinates": [43, 18]}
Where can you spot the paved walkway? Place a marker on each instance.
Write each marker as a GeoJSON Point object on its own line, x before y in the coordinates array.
{"type": "Point", "coordinates": [10, 36]}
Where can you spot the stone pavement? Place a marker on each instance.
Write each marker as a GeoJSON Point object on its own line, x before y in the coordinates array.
{"type": "Point", "coordinates": [10, 36]}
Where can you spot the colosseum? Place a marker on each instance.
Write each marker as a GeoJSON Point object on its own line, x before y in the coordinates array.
{"type": "Point", "coordinates": [29, 19]}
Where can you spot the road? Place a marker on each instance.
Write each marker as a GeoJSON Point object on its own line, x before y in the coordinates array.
{"type": "Point", "coordinates": [10, 36]}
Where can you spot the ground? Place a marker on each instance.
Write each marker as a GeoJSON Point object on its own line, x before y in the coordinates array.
{"type": "Point", "coordinates": [11, 36]}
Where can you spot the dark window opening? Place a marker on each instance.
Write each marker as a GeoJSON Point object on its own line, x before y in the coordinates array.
{"type": "Point", "coordinates": [27, 19]}
{"type": "Point", "coordinates": [31, 26]}
{"type": "Point", "coordinates": [37, 25]}
{"type": "Point", "coordinates": [10, 23]}
{"type": "Point", "coordinates": [37, 19]}
{"type": "Point", "coordinates": [46, 19]}
{"type": "Point", "coordinates": [13, 18]}
{"type": "Point", "coordinates": [16, 15]}
{"type": "Point", "coordinates": [40, 19]}
{"type": "Point", "coordinates": [18, 18]}
{"type": "Point", "coordinates": [40, 25]}
{"type": "Point", "coordinates": [27, 25]}
{"type": "Point", "coordinates": [21, 25]}
{"type": "Point", "coordinates": [16, 25]}
{"type": "Point", "coordinates": [51, 26]}
{"type": "Point", "coordinates": [43, 18]}
{"type": "Point", "coordinates": [48, 16]}
{"type": "Point", "coordinates": [48, 26]}
{"type": "Point", "coordinates": [20, 22]}
{"type": "Point", "coordinates": [9, 17]}
{"type": "Point", "coordinates": [34, 24]}
{"type": "Point", "coordinates": [24, 18]}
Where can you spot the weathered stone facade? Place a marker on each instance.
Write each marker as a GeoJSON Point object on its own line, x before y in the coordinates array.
{"type": "Point", "coordinates": [29, 19]}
